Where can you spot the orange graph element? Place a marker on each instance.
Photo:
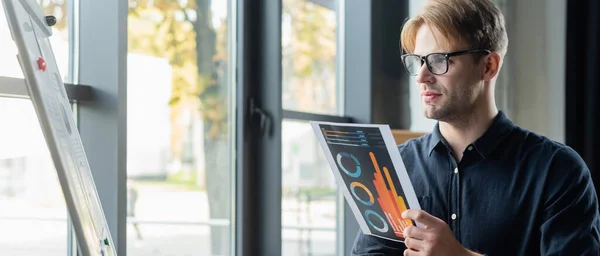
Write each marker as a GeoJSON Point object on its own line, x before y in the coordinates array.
{"type": "Point", "coordinates": [391, 204]}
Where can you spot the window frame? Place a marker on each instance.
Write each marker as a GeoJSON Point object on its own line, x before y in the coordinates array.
{"type": "Point", "coordinates": [100, 106]}
{"type": "Point", "coordinates": [262, 77]}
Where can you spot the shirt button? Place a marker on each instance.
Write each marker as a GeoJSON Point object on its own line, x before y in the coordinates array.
{"type": "Point", "coordinates": [454, 216]}
{"type": "Point", "coordinates": [470, 148]}
{"type": "Point", "coordinates": [456, 170]}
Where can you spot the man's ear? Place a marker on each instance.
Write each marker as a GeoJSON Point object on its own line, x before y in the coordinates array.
{"type": "Point", "coordinates": [492, 66]}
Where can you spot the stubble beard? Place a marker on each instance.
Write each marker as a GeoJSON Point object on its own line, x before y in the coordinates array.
{"type": "Point", "coordinates": [456, 108]}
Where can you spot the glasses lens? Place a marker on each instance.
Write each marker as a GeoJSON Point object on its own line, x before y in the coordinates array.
{"type": "Point", "coordinates": [412, 64]}
{"type": "Point", "coordinates": [438, 63]}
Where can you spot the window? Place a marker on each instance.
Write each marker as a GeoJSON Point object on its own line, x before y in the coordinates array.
{"type": "Point", "coordinates": [309, 56]}
{"type": "Point", "coordinates": [9, 66]}
{"type": "Point", "coordinates": [309, 213]}
{"type": "Point", "coordinates": [180, 124]}
{"type": "Point", "coordinates": [30, 194]}
{"type": "Point", "coordinates": [179, 161]}
{"type": "Point", "coordinates": [310, 88]}
{"type": "Point", "coordinates": [8, 51]}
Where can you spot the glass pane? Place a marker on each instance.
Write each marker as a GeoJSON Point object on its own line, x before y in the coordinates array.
{"type": "Point", "coordinates": [309, 56]}
{"type": "Point", "coordinates": [59, 41]}
{"type": "Point", "coordinates": [33, 213]}
{"type": "Point", "coordinates": [309, 204]}
{"type": "Point", "coordinates": [179, 159]}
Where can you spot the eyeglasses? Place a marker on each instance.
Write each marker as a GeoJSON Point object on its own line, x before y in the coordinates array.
{"type": "Point", "coordinates": [437, 62]}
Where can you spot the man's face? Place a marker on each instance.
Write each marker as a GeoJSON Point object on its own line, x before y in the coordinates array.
{"type": "Point", "coordinates": [452, 95]}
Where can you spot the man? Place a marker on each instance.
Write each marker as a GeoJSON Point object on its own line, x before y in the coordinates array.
{"type": "Point", "coordinates": [485, 186]}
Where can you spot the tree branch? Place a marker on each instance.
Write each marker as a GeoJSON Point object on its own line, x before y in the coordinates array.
{"type": "Point", "coordinates": [187, 18]}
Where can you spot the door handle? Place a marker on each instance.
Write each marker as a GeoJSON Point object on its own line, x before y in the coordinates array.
{"type": "Point", "coordinates": [264, 119]}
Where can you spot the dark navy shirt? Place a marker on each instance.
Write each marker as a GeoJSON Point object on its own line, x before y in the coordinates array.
{"type": "Point", "coordinates": [513, 193]}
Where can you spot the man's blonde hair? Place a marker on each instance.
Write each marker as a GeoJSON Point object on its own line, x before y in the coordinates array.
{"type": "Point", "coordinates": [476, 24]}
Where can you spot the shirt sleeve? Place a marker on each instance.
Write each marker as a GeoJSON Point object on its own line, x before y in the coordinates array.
{"type": "Point", "coordinates": [570, 224]}
{"type": "Point", "coordinates": [367, 245]}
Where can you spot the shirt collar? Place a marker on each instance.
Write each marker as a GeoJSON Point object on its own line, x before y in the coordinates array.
{"type": "Point", "coordinates": [501, 126]}
{"type": "Point", "coordinates": [435, 139]}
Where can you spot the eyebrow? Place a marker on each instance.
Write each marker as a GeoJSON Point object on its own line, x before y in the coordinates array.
{"type": "Point", "coordinates": [423, 54]}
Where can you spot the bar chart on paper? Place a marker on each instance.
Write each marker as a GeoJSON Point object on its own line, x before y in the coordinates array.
{"type": "Point", "coordinates": [371, 174]}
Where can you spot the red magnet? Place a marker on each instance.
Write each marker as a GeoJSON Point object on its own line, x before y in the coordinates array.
{"type": "Point", "coordinates": [41, 64]}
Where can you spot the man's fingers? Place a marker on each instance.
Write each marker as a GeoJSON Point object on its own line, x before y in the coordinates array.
{"type": "Point", "coordinates": [420, 216]}
{"type": "Point", "coordinates": [409, 252]}
{"type": "Point", "coordinates": [414, 232]}
{"type": "Point", "coordinates": [414, 244]}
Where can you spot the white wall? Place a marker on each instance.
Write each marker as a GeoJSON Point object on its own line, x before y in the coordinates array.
{"type": "Point", "coordinates": [538, 50]}
{"type": "Point", "coordinates": [418, 122]}
{"type": "Point", "coordinates": [531, 86]}
{"type": "Point", "coordinates": [556, 20]}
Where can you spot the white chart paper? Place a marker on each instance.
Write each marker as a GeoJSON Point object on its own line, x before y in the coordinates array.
{"type": "Point", "coordinates": [370, 173]}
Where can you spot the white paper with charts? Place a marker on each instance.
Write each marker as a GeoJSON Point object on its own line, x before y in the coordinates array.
{"type": "Point", "coordinates": [31, 34]}
{"type": "Point", "coordinates": [370, 173]}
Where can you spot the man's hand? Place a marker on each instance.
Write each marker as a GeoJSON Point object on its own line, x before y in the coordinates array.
{"type": "Point", "coordinates": [435, 238]}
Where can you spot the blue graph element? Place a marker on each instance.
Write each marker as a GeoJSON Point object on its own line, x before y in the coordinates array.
{"type": "Point", "coordinates": [383, 229]}
{"type": "Point", "coordinates": [339, 157]}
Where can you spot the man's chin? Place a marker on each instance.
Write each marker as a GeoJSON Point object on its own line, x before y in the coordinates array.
{"type": "Point", "coordinates": [430, 116]}
{"type": "Point", "coordinates": [429, 111]}
{"type": "Point", "coordinates": [433, 114]}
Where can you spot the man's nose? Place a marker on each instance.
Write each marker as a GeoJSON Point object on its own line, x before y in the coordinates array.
{"type": "Point", "coordinates": [425, 76]}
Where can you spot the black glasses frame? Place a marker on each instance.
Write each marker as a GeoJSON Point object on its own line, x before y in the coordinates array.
{"type": "Point", "coordinates": [446, 55]}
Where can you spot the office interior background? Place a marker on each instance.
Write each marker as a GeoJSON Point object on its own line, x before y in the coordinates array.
{"type": "Point", "coordinates": [194, 115]}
